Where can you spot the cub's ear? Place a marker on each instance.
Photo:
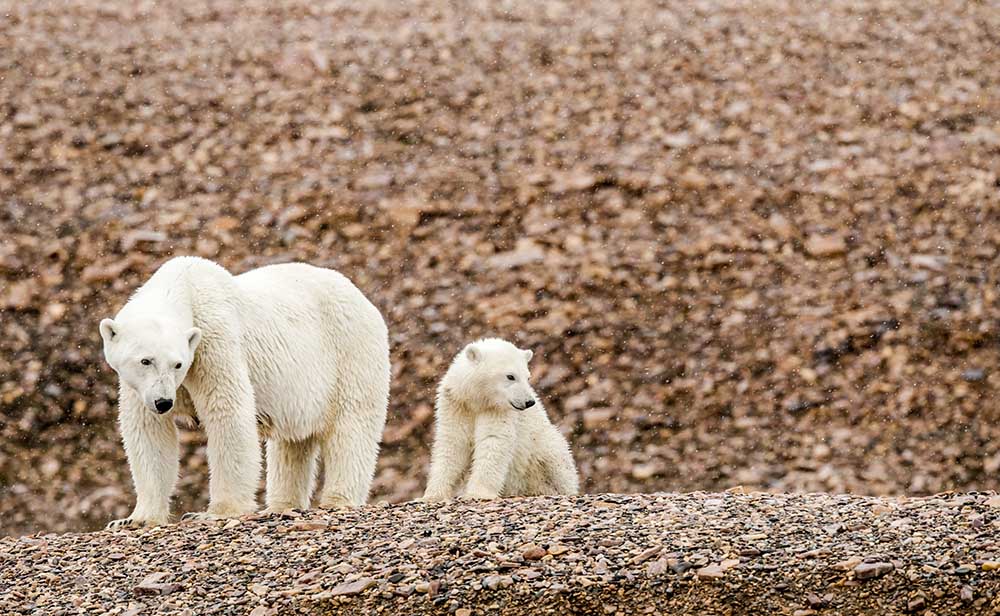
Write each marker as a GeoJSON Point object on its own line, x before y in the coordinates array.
{"type": "Point", "coordinates": [109, 330]}
{"type": "Point", "coordinates": [528, 354]}
{"type": "Point", "coordinates": [473, 353]}
{"type": "Point", "coordinates": [193, 337]}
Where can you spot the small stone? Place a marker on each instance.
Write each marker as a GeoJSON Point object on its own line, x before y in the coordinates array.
{"type": "Point", "coordinates": [711, 572]}
{"type": "Point", "coordinates": [305, 527]}
{"type": "Point", "coordinates": [594, 418]}
{"type": "Point", "coordinates": [693, 180]}
{"type": "Point", "coordinates": [532, 552]}
{"type": "Point", "coordinates": [558, 549]}
{"type": "Point", "coordinates": [26, 119]}
{"type": "Point", "coordinates": [991, 565]}
{"type": "Point", "coordinates": [142, 236]}
{"type": "Point", "coordinates": [422, 587]}
{"type": "Point", "coordinates": [657, 567]}
{"type": "Point", "coordinates": [258, 589]}
{"type": "Point", "coordinates": [868, 571]}
{"type": "Point", "coordinates": [681, 567]}
{"type": "Point", "coordinates": [526, 252]}
{"type": "Point", "coordinates": [352, 588]}
{"type": "Point", "coordinates": [463, 611]}
{"type": "Point", "coordinates": [974, 375]}
{"type": "Point", "coordinates": [780, 225]}
{"type": "Point", "coordinates": [966, 594]}
{"type": "Point", "coordinates": [646, 555]}
{"type": "Point", "coordinates": [151, 584]}
{"type": "Point", "coordinates": [396, 577]}
{"type": "Point", "coordinates": [491, 582]}
{"type": "Point", "coordinates": [825, 245]}
{"type": "Point", "coordinates": [643, 472]}
{"type": "Point", "coordinates": [916, 603]}
{"type": "Point", "coordinates": [847, 565]}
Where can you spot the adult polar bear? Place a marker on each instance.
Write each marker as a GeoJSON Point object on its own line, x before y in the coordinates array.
{"type": "Point", "coordinates": [294, 350]}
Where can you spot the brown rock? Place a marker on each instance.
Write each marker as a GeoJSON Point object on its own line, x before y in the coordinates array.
{"type": "Point", "coordinates": [352, 588]}
{"type": "Point", "coordinates": [155, 584]}
{"type": "Point", "coordinates": [867, 571]}
{"type": "Point", "coordinates": [825, 245]}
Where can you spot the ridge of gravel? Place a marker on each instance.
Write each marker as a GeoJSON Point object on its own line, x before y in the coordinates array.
{"type": "Point", "coordinates": [709, 553]}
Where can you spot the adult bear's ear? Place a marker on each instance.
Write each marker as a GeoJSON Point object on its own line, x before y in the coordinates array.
{"type": "Point", "coordinates": [473, 353]}
{"type": "Point", "coordinates": [194, 337]}
{"type": "Point", "coordinates": [109, 330]}
{"type": "Point", "coordinates": [528, 354]}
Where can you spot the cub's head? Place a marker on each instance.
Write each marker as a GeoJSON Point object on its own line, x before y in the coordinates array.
{"type": "Point", "coordinates": [498, 372]}
{"type": "Point", "coordinates": [152, 356]}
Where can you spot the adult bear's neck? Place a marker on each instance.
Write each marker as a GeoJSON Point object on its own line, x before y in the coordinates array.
{"type": "Point", "coordinates": [176, 286]}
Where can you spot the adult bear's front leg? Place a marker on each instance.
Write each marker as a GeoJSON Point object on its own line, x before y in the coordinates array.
{"type": "Point", "coordinates": [224, 402]}
{"type": "Point", "coordinates": [152, 448]}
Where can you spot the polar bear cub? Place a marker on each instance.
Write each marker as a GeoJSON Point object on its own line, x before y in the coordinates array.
{"type": "Point", "coordinates": [491, 429]}
{"type": "Point", "coordinates": [292, 353]}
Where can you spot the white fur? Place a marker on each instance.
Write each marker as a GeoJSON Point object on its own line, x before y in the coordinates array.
{"type": "Point", "coordinates": [485, 434]}
{"type": "Point", "coordinates": [291, 353]}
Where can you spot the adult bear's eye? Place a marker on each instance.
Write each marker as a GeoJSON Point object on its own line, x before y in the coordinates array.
{"type": "Point", "coordinates": [177, 367]}
{"type": "Point", "coordinates": [510, 377]}
{"type": "Point", "coordinates": [146, 362]}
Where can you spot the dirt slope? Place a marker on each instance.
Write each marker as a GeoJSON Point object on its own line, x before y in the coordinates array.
{"type": "Point", "coordinates": [750, 243]}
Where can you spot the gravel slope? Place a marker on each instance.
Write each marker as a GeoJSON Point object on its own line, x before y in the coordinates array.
{"type": "Point", "coordinates": [656, 554]}
{"type": "Point", "coordinates": [751, 243]}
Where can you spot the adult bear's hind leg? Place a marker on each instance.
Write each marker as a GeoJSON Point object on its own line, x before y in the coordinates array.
{"type": "Point", "coordinates": [350, 450]}
{"type": "Point", "coordinates": [291, 474]}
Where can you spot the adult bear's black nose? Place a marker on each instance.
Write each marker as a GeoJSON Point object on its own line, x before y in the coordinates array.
{"type": "Point", "coordinates": [529, 404]}
{"type": "Point", "coordinates": [163, 405]}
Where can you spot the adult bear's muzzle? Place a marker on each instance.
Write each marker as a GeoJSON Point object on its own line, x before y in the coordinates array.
{"type": "Point", "coordinates": [163, 405]}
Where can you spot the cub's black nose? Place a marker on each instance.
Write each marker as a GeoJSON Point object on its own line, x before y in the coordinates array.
{"type": "Point", "coordinates": [529, 404]}
{"type": "Point", "coordinates": [163, 405]}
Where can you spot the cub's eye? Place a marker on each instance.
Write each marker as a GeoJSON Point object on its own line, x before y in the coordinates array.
{"type": "Point", "coordinates": [146, 362]}
{"type": "Point", "coordinates": [510, 377]}
{"type": "Point", "coordinates": [177, 367]}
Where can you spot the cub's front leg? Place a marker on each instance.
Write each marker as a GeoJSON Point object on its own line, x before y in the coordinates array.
{"type": "Point", "coordinates": [153, 451]}
{"type": "Point", "coordinates": [449, 458]}
{"type": "Point", "coordinates": [224, 401]}
{"type": "Point", "coordinates": [492, 455]}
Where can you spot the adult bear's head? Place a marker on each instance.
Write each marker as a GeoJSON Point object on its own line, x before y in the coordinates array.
{"type": "Point", "coordinates": [150, 355]}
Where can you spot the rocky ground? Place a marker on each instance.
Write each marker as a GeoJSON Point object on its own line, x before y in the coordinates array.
{"type": "Point", "coordinates": [699, 553]}
{"type": "Point", "coordinates": [751, 243]}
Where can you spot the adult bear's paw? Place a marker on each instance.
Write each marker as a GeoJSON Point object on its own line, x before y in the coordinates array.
{"type": "Point", "coordinates": [200, 516]}
{"type": "Point", "coordinates": [220, 512]}
{"type": "Point", "coordinates": [335, 502]}
{"type": "Point", "coordinates": [131, 523]}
